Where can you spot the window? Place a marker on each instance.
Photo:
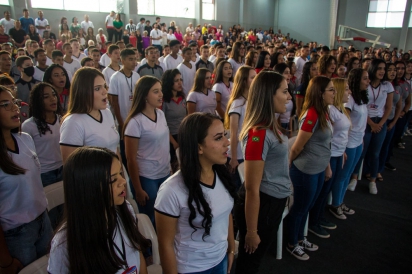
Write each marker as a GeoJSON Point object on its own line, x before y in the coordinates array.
{"type": "Point", "coordinates": [145, 7]}
{"type": "Point", "coordinates": [386, 13]}
{"type": "Point", "coordinates": [178, 8]}
{"type": "Point", "coordinates": [88, 5]}
{"type": "Point", "coordinates": [4, 2]}
{"type": "Point", "coordinates": [410, 19]}
{"type": "Point", "coordinates": [208, 9]}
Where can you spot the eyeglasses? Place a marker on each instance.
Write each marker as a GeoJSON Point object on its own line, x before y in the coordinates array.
{"type": "Point", "coordinates": [7, 105]}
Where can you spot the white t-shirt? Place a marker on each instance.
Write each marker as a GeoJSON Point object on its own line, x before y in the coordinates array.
{"type": "Point", "coordinates": [285, 117]}
{"type": "Point", "coordinates": [38, 73]}
{"type": "Point", "coordinates": [85, 25]}
{"type": "Point", "coordinates": [47, 145]}
{"type": "Point", "coordinates": [194, 254]}
{"type": "Point", "coordinates": [300, 62]}
{"type": "Point", "coordinates": [359, 118]}
{"type": "Point", "coordinates": [164, 38]}
{"type": "Point", "coordinates": [105, 60]}
{"type": "Point", "coordinates": [79, 130]}
{"type": "Point", "coordinates": [155, 33]}
{"type": "Point", "coordinates": [235, 65]}
{"type": "Point", "coordinates": [377, 98]}
{"type": "Point", "coordinates": [8, 25]}
{"type": "Point", "coordinates": [188, 76]}
{"type": "Point", "coordinates": [153, 154]}
{"type": "Point", "coordinates": [238, 107]}
{"type": "Point", "coordinates": [224, 93]}
{"type": "Point", "coordinates": [41, 23]}
{"type": "Point", "coordinates": [341, 125]}
{"type": "Point", "coordinates": [212, 58]}
{"type": "Point", "coordinates": [48, 61]}
{"type": "Point", "coordinates": [123, 87]}
{"type": "Point", "coordinates": [72, 67]}
{"type": "Point", "coordinates": [172, 63]}
{"type": "Point", "coordinates": [107, 73]}
{"type": "Point", "coordinates": [204, 102]}
{"type": "Point", "coordinates": [109, 21]}
{"type": "Point", "coordinates": [171, 37]}
{"type": "Point", "coordinates": [59, 259]}
{"type": "Point", "coordinates": [80, 57]}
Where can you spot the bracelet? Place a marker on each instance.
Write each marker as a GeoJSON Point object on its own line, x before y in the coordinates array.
{"type": "Point", "coordinates": [12, 260]}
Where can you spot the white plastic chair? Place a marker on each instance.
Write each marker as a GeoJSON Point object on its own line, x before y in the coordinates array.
{"type": "Point", "coordinates": [146, 228]}
{"type": "Point", "coordinates": [54, 195]}
{"type": "Point", "coordinates": [129, 194]}
{"type": "Point", "coordinates": [241, 171]}
{"type": "Point", "coordinates": [37, 267]}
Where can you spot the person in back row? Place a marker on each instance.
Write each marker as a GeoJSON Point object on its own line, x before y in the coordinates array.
{"type": "Point", "coordinates": [201, 98]}
{"type": "Point", "coordinates": [114, 54]}
{"type": "Point", "coordinates": [187, 69]}
{"type": "Point", "coordinates": [150, 67]}
{"type": "Point", "coordinates": [173, 59]}
{"type": "Point", "coordinates": [203, 61]}
{"type": "Point", "coordinates": [26, 81]}
{"type": "Point", "coordinates": [70, 64]}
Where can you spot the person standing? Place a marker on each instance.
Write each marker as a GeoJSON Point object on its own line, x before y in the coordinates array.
{"type": "Point", "coordinates": [156, 37]}
{"type": "Point", "coordinates": [70, 64]}
{"type": "Point", "coordinates": [172, 60]}
{"type": "Point", "coordinates": [150, 67]}
{"type": "Point", "coordinates": [7, 22]}
{"type": "Point", "coordinates": [130, 27]}
{"type": "Point", "coordinates": [114, 54]}
{"type": "Point", "coordinates": [26, 81]}
{"type": "Point", "coordinates": [41, 23]}
{"type": "Point", "coordinates": [300, 62]}
{"type": "Point", "coordinates": [118, 28]}
{"type": "Point", "coordinates": [86, 24]}
{"type": "Point", "coordinates": [109, 25]}
{"type": "Point", "coordinates": [187, 70]}
{"type": "Point", "coordinates": [26, 21]}
{"type": "Point", "coordinates": [237, 56]}
{"type": "Point", "coordinates": [18, 35]}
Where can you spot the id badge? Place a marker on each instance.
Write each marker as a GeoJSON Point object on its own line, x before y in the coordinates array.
{"type": "Point", "coordinates": [131, 98]}
{"type": "Point", "coordinates": [131, 270]}
{"type": "Point", "coordinates": [373, 106]}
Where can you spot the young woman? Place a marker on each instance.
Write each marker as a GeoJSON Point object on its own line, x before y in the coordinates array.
{"type": "Point", "coordinates": [343, 58]}
{"type": "Point", "coordinates": [341, 124]}
{"type": "Point", "coordinates": [262, 197]}
{"type": "Point", "coordinates": [174, 108]}
{"type": "Point", "coordinates": [44, 127]}
{"type": "Point", "coordinates": [235, 115]}
{"type": "Point", "coordinates": [358, 82]}
{"type": "Point", "coordinates": [103, 221]}
{"type": "Point", "coordinates": [64, 29]}
{"type": "Point", "coordinates": [33, 34]}
{"type": "Point", "coordinates": [57, 76]}
{"type": "Point", "coordinates": [201, 98]}
{"type": "Point", "coordinates": [90, 36]}
{"type": "Point", "coordinates": [380, 95]}
{"type": "Point", "coordinates": [25, 230]}
{"type": "Point", "coordinates": [308, 166]}
{"type": "Point", "coordinates": [285, 118]}
{"type": "Point", "coordinates": [276, 58]}
{"type": "Point", "coordinates": [327, 66]}
{"type": "Point", "coordinates": [80, 38]}
{"type": "Point", "coordinates": [263, 61]}
{"type": "Point", "coordinates": [223, 86]}
{"type": "Point", "coordinates": [118, 28]}
{"type": "Point", "coordinates": [292, 83]}
{"type": "Point", "coordinates": [251, 58]}
{"type": "Point", "coordinates": [236, 56]}
{"type": "Point", "coordinates": [352, 64]}
{"type": "Point", "coordinates": [341, 71]}
{"type": "Point", "coordinates": [309, 71]}
{"type": "Point", "coordinates": [193, 207]}
{"type": "Point", "coordinates": [146, 138]}
{"type": "Point", "coordinates": [75, 27]}
{"type": "Point", "coordinates": [179, 35]}
{"type": "Point", "coordinates": [88, 121]}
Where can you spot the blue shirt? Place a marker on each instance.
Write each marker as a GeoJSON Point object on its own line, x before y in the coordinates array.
{"type": "Point", "coordinates": [25, 22]}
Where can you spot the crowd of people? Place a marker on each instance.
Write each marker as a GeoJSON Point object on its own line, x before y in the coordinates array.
{"type": "Point", "coordinates": [158, 104]}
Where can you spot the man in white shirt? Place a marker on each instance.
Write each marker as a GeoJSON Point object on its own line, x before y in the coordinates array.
{"type": "Point", "coordinates": [114, 54]}
{"type": "Point", "coordinates": [40, 68]}
{"type": "Point", "coordinates": [86, 24]}
{"type": "Point", "coordinates": [187, 70]}
{"type": "Point", "coordinates": [140, 25]}
{"type": "Point", "coordinates": [173, 59]}
{"type": "Point", "coordinates": [171, 36]}
{"type": "Point", "coordinates": [131, 27]}
{"type": "Point", "coordinates": [41, 23]}
{"type": "Point", "coordinates": [156, 37]}
{"type": "Point", "coordinates": [300, 62]}
{"type": "Point", "coordinates": [109, 25]}
{"type": "Point", "coordinates": [190, 29]}
{"type": "Point", "coordinates": [70, 64]}
{"type": "Point", "coordinates": [77, 55]}
{"type": "Point", "coordinates": [7, 22]}
{"type": "Point", "coordinates": [166, 51]}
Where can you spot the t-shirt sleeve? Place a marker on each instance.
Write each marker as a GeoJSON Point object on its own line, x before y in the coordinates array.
{"type": "Point", "coordinates": [216, 88]}
{"type": "Point", "coordinates": [333, 114]}
{"type": "Point", "coordinates": [167, 202]}
{"type": "Point", "coordinates": [256, 145]}
{"type": "Point", "coordinates": [113, 86]}
{"type": "Point", "coordinates": [192, 97]}
{"type": "Point", "coordinates": [389, 88]}
{"type": "Point", "coordinates": [310, 121]}
{"type": "Point", "coordinates": [58, 259]}
{"type": "Point", "coordinates": [29, 127]}
{"type": "Point", "coordinates": [235, 107]}
{"type": "Point", "coordinates": [71, 133]}
{"type": "Point", "coordinates": [350, 103]}
{"type": "Point", "coordinates": [133, 129]}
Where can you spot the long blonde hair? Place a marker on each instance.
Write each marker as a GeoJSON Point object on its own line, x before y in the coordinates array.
{"type": "Point", "coordinates": [239, 87]}
{"type": "Point", "coordinates": [340, 86]}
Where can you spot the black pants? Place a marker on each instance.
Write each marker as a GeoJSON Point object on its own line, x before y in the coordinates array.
{"type": "Point", "coordinates": [110, 33]}
{"type": "Point", "coordinates": [270, 215]}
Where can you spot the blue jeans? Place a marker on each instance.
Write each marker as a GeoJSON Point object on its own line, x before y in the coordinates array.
{"type": "Point", "coordinates": [306, 190]}
{"type": "Point", "coordinates": [372, 144]}
{"type": "Point", "coordinates": [221, 268]}
{"type": "Point", "coordinates": [342, 181]}
{"type": "Point", "coordinates": [386, 149]}
{"type": "Point", "coordinates": [318, 209]}
{"type": "Point", "coordinates": [52, 176]}
{"type": "Point", "coordinates": [30, 241]}
{"type": "Point", "coordinates": [151, 186]}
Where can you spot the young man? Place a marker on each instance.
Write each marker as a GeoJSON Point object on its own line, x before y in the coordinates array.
{"type": "Point", "coordinates": [41, 23]}
{"type": "Point", "coordinates": [26, 81]}
{"type": "Point", "coordinates": [147, 27]}
{"type": "Point", "coordinates": [26, 21]}
{"type": "Point", "coordinates": [109, 25]}
{"type": "Point", "coordinates": [87, 62]}
{"type": "Point", "coordinates": [195, 55]}
{"type": "Point", "coordinates": [63, 40]}
{"type": "Point", "coordinates": [140, 26]}
{"type": "Point", "coordinates": [130, 27]}
{"type": "Point", "coordinates": [57, 58]}
{"type": "Point", "coordinates": [70, 64]}
{"type": "Point", "coordinates": [5, 62]}
{"type": "Point", "coordinates": [121, 89]}
{"type": "Point", "coordinates": [95, 55]}
{"type": "Point", "coordinates": [220, 53]}
{"type": "Point", "coordinates": [150, 68]}
{"type": "Point", "coordinates": [173, 59]}
{"type": "Point", "coordinates": [204, 62]}
{"type": "Point", "coordinates": [300, 62]}
{"type": "Point", "coordinates": [166, 51]}
{"type": "Point", "coordinates": [4, 38]}
{"type": "Point", "coordinates": [114, 54]}
{"type": "Point", "coordinates": [40, 68]}
{"type": "Point", "coordinates": [77, 55]}
{"type": "Point", "coordinates": [188, 70]}
{"type": "Point", "coordinates": [7, 22]}
{"type": "Point", "coordinates": [30, 48]}
{"type": "Point", "coordinates": [105, 59]}
{"type": "Point", "coordinates": [18, 35]}
{"type": "Point", "coordinates": [156, 37]}
{"type": "Point", "coordinates": [48, 46]}
{"type": "Point", "coordinates": [86, 24]}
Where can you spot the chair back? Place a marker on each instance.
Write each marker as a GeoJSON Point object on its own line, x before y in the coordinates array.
{"type": "Point", "coordinates": [147, 230]}
{"type": "Point", "coordinates": [39, 266]}
{"type": "Point", "coordinates": [54, 194]}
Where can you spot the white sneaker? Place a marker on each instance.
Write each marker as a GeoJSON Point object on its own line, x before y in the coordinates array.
{"type": "Point", "coordinates": [372, 188]}
{"type": "Point", "coordinates": [352, 184]}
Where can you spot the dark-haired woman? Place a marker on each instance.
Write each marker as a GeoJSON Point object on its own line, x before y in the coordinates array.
{"type": "Point", "coordinates": [309, 161]}
{"type": "Point", "coordinates": [88, 121]}
{"type": "Point", "coordinates": [309, 71]}
{"type": "Point", "coordinates": [327, 66]}
{"type": "Point", "coordinates": [25, 229]}
{"type": "Point", "coordinates": [353, 63]}
{"type": "Point", "coordinates": [57, 76]}
{"type": "Point", "coordinates": [380, 97]}
{"type": "Point", "coordinates": [201, 98]}
{"type": "Point", "coordinates": [285, 118]}
{"type": "Point", "coordinates": [267, 185]}
{"type": "Point", "coordinates": [146, 138]}
{"type": "Point", "coordinates": [263, 61]}
{"type": "Point", "coordinates": [223, 86]}
{"type": "Point", "coordinates": [343, 58]}
{"type": "Point", "coordinates": [193, 207]}
{"type": "Point", "coordinates": [358, 82]}
{"type": "Point", "coordinates": [174, 108]}
{"type": "Point", "coordinates": [98, 218]}
{"type": "Point", "coordinates": [236, 56]}
{"type": "Point", "coordinates": [276, 58]}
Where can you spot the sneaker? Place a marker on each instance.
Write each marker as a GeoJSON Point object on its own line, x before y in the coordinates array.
{"type": "Point", "coordinates": [390, 167]}
{"type": "Point", "coordinates": [400, 145]}
{"type": "Point", "coordinates": [352, 184]}
{"type": "Point", "coordinates": [298, 252]}
{"type": "Point", "coordinates": [308, 245]}
{"type": "Point", "coordinates": [326, 224]}
{"type": "Point", "coordinates": [346, 210]}
{"type": "Point", "coordinates": [337, 212]}
{"type": "Point", "coordinates": [372, 188]}
{"type": "Point", "coordinates": [319, 231]}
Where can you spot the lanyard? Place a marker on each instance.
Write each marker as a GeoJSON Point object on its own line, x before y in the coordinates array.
{"type": "Point", "coordinates": [373, 91]}
{"type": "Point", "coordinates": [131, 81]}
{"type": "Point", "coordinates": [123, 252]}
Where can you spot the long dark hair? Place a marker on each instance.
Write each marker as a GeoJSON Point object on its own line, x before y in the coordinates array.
{"type": "Point", "coordinates": [261, 59]}
{"type": "Point", "coordinates": [280, 68]}
{"type": "Point", "coordinates": [373, 68]}
{"type": "Point", "coordinates": [219, 72]}
{"type": "Point", "coordinates": [350, 63]}
{"type": "Point", "coordinates": [49, 71]}
{"type": "Point", "coordinates": [192, 132]}
{"type": "Point", "coordinates": [6, 162]}
{"type": "Point", "coordinates": [354, 78]}
{"type": "Point", "coordinates": [36, 107]}
{"type": "Point", "coordinates": [274, 59]}
{"type": "Point", "coordinates": [404, 71]}
{"type": "Point", "coordinates": [167, 84]}
{"type": "Point", "coordinates": [90, 234]}
{"type": "Point", "coordinates": [386, 78]}
{"type": "Point", "coordinates": [200, 79]}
